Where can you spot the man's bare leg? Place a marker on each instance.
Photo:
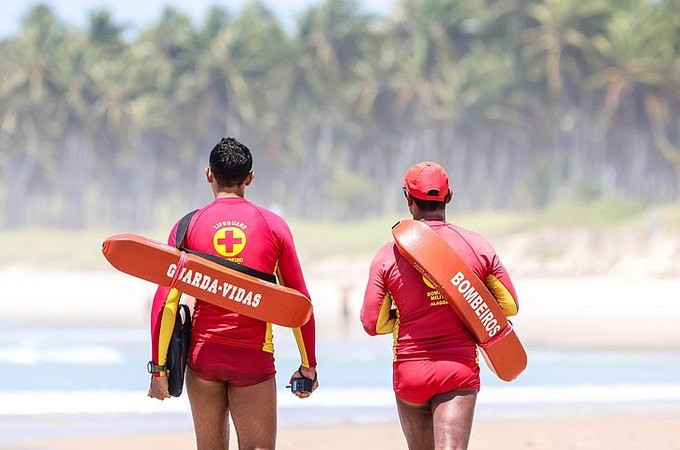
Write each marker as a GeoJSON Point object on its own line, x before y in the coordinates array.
{"type": "Point", "coordinates": [210, 410]}
{"type": "Point", "coordinates": [253, 410]}
{"type": "Point", "coordinates": [452, 414]}
{"type": "Point", "coordinates": [416, 422]}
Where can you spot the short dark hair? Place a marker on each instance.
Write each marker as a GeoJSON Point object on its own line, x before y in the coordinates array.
{"type": "Point", "coordinates": [230, 162]}
{"type": "Point", "coordinates": [429, 205]}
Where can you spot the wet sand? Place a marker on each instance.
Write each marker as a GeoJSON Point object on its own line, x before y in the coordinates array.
{"type": "Point", "coordinates": [620, 432]}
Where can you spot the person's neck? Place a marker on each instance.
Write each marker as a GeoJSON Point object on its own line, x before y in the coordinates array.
{"type": "Point", "coordinates": [230, 192]}
{"type": "Point", "coordinates": [430, 215]}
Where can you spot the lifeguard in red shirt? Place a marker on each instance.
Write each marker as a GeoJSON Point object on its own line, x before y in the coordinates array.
{"type": "Point", "coordinates": [231, 357]}
{"type": "Point", "coordinates": [435, 369]}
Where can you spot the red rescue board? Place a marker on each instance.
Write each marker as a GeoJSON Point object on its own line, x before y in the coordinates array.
{"type": "Point", "coordinates": [154, 261]}
{"type": "Point", "coordinates": [460, 286]}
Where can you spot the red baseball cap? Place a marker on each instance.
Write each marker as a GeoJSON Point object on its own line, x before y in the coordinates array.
{"type": "Point", "coordinates": [427, 181]}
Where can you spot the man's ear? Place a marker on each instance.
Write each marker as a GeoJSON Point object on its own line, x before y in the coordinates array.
{"type": "Point", "coordinates": [449, 196]}
{"type": "Point", "coordinates": [208, 175]}
{"type": "Point", "coordinates": [249, 178]}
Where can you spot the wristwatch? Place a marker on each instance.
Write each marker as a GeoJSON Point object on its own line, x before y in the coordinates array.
{"type": "Point", "coordinates": [155, 368]}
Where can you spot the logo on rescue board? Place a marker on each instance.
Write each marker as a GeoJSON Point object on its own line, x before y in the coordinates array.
{"type": "Point", "coordinates": [477, 303]}
{"type": "Point", "coordinates": [213, 285]}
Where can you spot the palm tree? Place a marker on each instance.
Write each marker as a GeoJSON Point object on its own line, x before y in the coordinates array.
{"type": "Point", "coordinates": [550, 96]}
{"type": "Point", "coordinates": [238, 86]}
{"type": "Point", "coordinates": [29, 108]}
{"type": "Point", "coordinates": [559, 49]}
{"type": "Point", "coordinates": [639, 82]}
{"type": "Point", "coordinates": [163, 55]}
{"type": "Point", "coordinates": [109, 109]}
{"type": "Point", "coordinates": [327, 48]}
{"type": "Point", "coordinates": [72, 95]}
{"type": "Point", "coordinates": [561, 38]}
{"type": "Point", "coordinates": [424, 47]}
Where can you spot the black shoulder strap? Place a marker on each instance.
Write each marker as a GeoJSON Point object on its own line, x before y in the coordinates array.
{"type": "Point", "coordinates": [182, 227]}
{"type": "Point", "coordinates": [181, 234]}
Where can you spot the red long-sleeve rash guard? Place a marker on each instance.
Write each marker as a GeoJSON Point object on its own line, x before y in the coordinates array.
{"type": "Point", "coordinates": [401, 301]}
{"type": "Point", "coordinates": [243, 232]}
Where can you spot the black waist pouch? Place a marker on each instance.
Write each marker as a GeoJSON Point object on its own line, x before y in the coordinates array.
{"type": "Point", "coordinates": [178, 350]}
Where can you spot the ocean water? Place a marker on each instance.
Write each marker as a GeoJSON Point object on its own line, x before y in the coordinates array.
{"type": "Point", "coordinates": [64, 381]}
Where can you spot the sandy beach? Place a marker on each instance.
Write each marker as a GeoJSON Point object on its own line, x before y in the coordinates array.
{"type": "Point", "coordinates": [615, 432]}
{"type": "Point", "coordinates": [597, 310]}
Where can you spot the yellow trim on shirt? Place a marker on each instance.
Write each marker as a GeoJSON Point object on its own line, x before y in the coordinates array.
{"type": "Point", "coordinates": [301, 346]}
{"type": "Point", "coordinates": [384, 324]}
{"type": "Point", "coordinates": [297, 332]}
{"type": "Point", "coordinates": [268, 339]}
{"type": "Point", "coordinates": [503, 296]}
{"type": "Point", "coordinates": [167, 325]}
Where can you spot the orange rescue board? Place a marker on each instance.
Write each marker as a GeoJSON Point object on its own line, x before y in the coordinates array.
{"type": "Point", "coordinates": [157, 262]}
{"type": "Point", "coordinates": [434, 258]}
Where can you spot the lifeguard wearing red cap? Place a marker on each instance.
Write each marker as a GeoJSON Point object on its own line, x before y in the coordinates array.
{"type": "Point", "coordinates": [428, 181]}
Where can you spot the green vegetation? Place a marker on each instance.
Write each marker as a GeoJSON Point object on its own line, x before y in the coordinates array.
{"type": "Point", "coordinates": [601, 213]}
{"type": "Point", "coordinates": [322, 239]}
{"type": "Point", "coordinates": [53, 249]}
{"type": "Point", "coordinates": [61, 249]}
{"type": "Point", "coordinates": [526, 103]}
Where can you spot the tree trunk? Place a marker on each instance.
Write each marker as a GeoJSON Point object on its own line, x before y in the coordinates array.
{"type": "Point", "coordinates": [19, 174]}
{"type": "Point", "coordinates": [75, 172]}
{"type": "Point", "coordinates": [145, 171]}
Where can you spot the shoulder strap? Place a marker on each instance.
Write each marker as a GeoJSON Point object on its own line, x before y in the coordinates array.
{"type": "Point", "coordinates": [182, 227]}
{"type": "Point", "coordinates": [232, 265]}
{"type": "Point", "coordinates": [181, 234]}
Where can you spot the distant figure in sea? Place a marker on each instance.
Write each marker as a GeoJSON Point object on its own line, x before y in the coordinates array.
{"type": "Point", "coordinates": [435, 368]}
{"type": "Point", "coordinates": [345, 307]}
{"type": "Point", "coordinates": [231, 356]}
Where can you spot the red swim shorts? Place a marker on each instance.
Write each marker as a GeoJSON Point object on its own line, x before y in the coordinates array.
{"type": "Point", "coordinates": [418, 381]}
{"type": "Point", "coordinates": [237, 366]}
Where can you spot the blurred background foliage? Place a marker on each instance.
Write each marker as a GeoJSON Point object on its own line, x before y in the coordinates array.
{"type": "Point", "coordinates": [530, 104]}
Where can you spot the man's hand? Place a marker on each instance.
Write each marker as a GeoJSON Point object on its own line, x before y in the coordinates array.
{"type": "Point", "coordinates": [159, 388]}
{"type": "Point", "coordinates": [305, 372]}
